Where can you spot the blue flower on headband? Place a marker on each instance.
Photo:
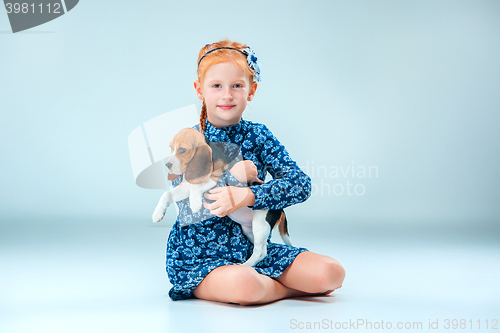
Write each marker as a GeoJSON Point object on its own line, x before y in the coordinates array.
{"type": "Point", "coordinates": [252, 62]}
{"type": "Point", "coordinates": [251, 59]}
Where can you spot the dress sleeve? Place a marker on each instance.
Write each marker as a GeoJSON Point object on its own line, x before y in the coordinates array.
{"type": "Point", "coordinates": [289, 186]}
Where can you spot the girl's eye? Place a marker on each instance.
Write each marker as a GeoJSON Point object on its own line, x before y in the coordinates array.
{"type": "Point", "coordinates": [216, 85]}
{"type": "Point", "coordinates": [237, 85]}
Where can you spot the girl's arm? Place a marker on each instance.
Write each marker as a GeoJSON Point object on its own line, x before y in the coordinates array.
{"type": "Point", "coordinates": [289, 186]}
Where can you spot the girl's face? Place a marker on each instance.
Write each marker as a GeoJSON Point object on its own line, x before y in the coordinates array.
{"type": "Point", "coordinates": [226, 89]}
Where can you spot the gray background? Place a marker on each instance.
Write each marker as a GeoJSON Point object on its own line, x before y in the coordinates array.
{"type": "Point", "coordinates": [410, 87]}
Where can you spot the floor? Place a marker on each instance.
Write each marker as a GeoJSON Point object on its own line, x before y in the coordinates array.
{"type": "Point", "coordinates": [73, 275]}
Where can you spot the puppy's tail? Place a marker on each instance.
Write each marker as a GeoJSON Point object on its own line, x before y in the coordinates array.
{"type": "Point", "coordinates": [283, 229]}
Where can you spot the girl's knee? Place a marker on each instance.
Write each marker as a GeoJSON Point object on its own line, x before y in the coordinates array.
{"type": "Point", "coordinates": [247, 285]}
{"type": "Point", "coordinates": [330, 274]}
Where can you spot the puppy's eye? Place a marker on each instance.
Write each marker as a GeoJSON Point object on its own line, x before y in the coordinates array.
{"type": "Point", "coordinates": [181, 150]}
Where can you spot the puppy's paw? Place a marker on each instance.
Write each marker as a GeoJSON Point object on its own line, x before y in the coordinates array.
{"type": "Point", "coordinates": [251, 262]}
{"type": "Point", "coordinates": [195, 204]}
{"type": "Point", "coordinates": [196, 208]}
{"type": "Point", "coordinates": [257, 255]}
{"type": "Point", "coordinates": [159, 213]}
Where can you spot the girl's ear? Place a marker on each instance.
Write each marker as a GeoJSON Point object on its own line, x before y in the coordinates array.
{"type": "Point", "coordinates": [197, 87]}
{"type": "Point", "coordinates": [253, 88]}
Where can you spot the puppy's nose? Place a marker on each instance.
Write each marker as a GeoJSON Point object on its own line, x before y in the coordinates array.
{"type": "Point", "coordinates": [168, 165]}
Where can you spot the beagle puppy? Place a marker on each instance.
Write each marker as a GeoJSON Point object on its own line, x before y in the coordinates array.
{"type": "Point", "coordinates": [203, 163]}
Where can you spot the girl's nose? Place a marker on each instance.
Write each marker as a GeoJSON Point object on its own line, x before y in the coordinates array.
{"type": "Point", "coordinates": [227, 95]}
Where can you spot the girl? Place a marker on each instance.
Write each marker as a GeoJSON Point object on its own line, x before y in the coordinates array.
{"type": "Point", "coordinates": [204, 257]}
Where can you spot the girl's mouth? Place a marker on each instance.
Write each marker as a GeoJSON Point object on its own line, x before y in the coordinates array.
{"type": "Point", "coordinates": [226, 106]}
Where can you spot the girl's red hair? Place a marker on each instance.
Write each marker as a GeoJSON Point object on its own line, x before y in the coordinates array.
{"type": "Point", "coordinates": [217, 57]}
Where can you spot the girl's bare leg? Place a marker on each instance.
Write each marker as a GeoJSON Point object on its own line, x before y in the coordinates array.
{"type": "Point", "coordinates": [313, 273]}
{"type": "Point", "coordinates": [243, 285]}
{"type": "Point", "coordinates": [310, 274]}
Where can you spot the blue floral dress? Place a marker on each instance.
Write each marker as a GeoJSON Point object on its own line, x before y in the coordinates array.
{"type": "Point", "coordinates": [200, 242]}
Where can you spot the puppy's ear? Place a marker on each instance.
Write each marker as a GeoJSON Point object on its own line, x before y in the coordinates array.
{"type": "Point", "coordinates": [171, 176]}
{"type": "Point", "coordinates": [200, 166]}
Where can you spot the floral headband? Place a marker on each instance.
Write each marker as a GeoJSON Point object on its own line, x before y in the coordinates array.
{"type": "Point", "coordinates": [251, 59]}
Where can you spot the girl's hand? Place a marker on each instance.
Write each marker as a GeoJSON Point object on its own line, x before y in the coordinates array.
{"type": "Point", "coordinates": [246, 172]}
{"type": "Point", "coordinates": [228, 199]}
